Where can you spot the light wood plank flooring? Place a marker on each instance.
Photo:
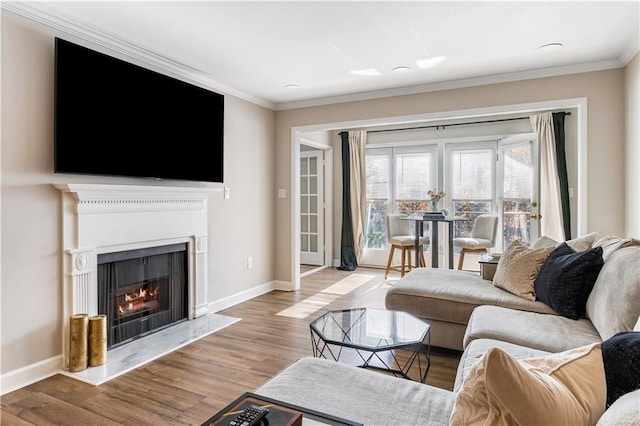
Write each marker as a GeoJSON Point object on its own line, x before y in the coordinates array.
{"type": "Point", "coordinates": [189, 385]}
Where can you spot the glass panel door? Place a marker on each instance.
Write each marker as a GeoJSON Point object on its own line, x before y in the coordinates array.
{"type": "Point", "coordinates": [518, 206]}
{"type": "Point", "coordinates": [471, 184]}
{"type": "Point", "coordinates": [311, 208]}
{"type": "Point", "coordinates": [378, 192]}
{"type": "Point", "coordinates": [397, 182]}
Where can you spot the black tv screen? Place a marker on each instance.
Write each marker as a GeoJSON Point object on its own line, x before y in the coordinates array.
{"type": "Point", "coordinates": [116, 118]}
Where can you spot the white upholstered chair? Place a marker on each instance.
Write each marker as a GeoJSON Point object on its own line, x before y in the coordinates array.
{"type": "Point", "coordinates": [482, 237]}
{"type": "Point", "coordinates": [401, 236]}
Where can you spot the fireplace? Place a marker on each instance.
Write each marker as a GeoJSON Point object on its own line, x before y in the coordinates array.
{"type": "Point", "coordinates": [142, 291]}
{"type": "Point", "coordinates": [103, 223]}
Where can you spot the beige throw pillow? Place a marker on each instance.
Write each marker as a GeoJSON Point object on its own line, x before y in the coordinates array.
{"type": "Point", "coordinates": [566, 388]}
{"type": "Point", "coordinates": [518, 268]}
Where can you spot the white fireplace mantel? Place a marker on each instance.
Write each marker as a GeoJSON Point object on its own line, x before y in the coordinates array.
{"type": "Point", "coordinates": [101, 219]}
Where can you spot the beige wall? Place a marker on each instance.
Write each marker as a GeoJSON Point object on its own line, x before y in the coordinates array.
{"type": "Point", "coordinates": [604, 91]}
{"type": "Point", "coordinates": [632, 128]}
{"type": "Point", "coordinates": [31, 291]}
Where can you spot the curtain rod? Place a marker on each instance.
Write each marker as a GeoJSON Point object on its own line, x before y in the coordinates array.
{"type": "Point", "coordinates": [442, 126]}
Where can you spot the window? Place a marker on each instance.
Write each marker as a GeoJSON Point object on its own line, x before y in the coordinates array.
{"type": "Point", "coordinates": [397, 182]}
{"type": "Point", "coordinates": [518, 181]}
{"type": "Point", "coordinates": [413, 178]}
{"type": "Point", "coordinates": [475, 178]}
{"type": "Point", "coordinates": [378, 180]}
{"type": "Point", "coordinates": [472, 189]}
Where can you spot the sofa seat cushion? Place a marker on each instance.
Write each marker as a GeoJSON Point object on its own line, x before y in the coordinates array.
{"type": "Point", "coordinates": [479, 347]}
{"type": "Point", "coordinates": [359, 395]}
{"type": "Point", "coordinates": [451, 295]}
{"type": "Point", "coordinates": [551, 333]}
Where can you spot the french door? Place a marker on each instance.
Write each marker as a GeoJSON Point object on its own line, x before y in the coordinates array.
{"type": "Point", "coordinates": [312, 208]}
{"type": "Point", "coordinates": [518, 197]}
{"type": "Point", "coordinates": [495, 177]}
{"type": "Point", "coordinates": [489, 177]}
{"type": "Point", "coordinates": [397, 179]}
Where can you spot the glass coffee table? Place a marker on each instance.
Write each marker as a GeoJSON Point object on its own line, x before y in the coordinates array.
{"type": "Point", "coordinates": [374, 338]}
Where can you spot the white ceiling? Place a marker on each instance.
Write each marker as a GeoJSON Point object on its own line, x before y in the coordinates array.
{"type": "Point", "coordinates": [254, 49]}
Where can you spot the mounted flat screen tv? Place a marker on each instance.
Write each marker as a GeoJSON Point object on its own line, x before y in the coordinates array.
{"type": "Point", "coordinates": [116, 118]}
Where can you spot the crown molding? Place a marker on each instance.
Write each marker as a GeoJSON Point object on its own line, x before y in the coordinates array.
{"type": "Point", "coordinates": [456, 84]}
{"type": "Point", "coordinates": [40, 13]}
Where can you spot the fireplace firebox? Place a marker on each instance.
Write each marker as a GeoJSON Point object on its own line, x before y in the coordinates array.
{"type": "Point", "coordinates": [142, 291]}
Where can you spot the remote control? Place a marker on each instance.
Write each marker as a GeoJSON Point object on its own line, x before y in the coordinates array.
{"type": "Point", "coordinates": [249, 416]}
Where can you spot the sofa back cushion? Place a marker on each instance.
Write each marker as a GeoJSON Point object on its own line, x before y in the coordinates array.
{"type": "Point", "coordinates": [614, 303]}
{"type": "Point", "coordinates": [624, 412]}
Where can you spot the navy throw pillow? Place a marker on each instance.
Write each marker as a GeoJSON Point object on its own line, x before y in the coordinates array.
{"type": "Point", "coordinates": [621, 358]}
{"type": "Point", "coordinates": [566, 279]}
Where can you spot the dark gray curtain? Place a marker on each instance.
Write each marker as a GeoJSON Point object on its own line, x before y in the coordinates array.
{"type": "Point", "coordinates": [558, 130]}
{"type": "Point", "coordinates": [348, 259]}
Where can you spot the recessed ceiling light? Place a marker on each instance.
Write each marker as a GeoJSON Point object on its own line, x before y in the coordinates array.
{"type": "Point", "coordinates": [549, 47]}
{"type": "Point", "coordinates": [430, 62]}
{"type": "Point", "coordinates": [401, 69]}
{"type": "Point", "coordinates": [366, 71]}
{"type": "Point", "coordinates": [292, 86]}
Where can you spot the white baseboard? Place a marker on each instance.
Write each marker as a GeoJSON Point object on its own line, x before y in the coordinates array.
{"type": "Point", "coordinates": [243, 296]}
{"type": "Point", "coordinates": [29, 374]}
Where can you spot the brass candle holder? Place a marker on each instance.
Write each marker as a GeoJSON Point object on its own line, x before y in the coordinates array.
{"type": "Point", "coordinates": [97, 340]}
{"type": "Point", "coordinates": [78, 329]}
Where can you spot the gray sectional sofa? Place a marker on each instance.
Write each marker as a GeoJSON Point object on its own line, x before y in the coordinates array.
{"type": "Point", "coordinates": [472, 315]}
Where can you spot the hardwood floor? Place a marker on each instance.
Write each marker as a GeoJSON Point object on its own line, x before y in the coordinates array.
{"type": "Point", "coordinates": [189, 385]}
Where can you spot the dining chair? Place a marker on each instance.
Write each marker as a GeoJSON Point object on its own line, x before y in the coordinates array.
{"type": "Point", "coordinates": [482, 237]}
{"type": "Point", "coordinates": [401, 236]}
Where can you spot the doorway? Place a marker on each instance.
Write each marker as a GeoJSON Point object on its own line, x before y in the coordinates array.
{"type": "Point", "coordinates": [313, 195]}
{"type": "Point", "coordinates": [579, 106]}
{"type": "Point", "coordinates": [311, 207]}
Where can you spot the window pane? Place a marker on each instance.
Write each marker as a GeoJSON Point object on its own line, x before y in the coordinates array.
{"type": "Point", "coordinates": [313, 166]}
{"type": "Point", "coordinates": [472, 187]}
{"type": "Point", "coordinates": [413, 176]}
{"type": "Point", "coordinates": [517, 222]}
{"type": "Point", "coordinates": [377, 177]}
{"type": "Point", "coordinates": [304, 166]}
{"type": "Point", "coordinates": [517, 172]}
{"type": "Point", "coordinates": [376, 232]}
{"type": "Point", "coordinates": [472, 174]}
{"type": "Point", "coordinates": [517, 194]}
{"type": "Point", "coordinates": [313, 184]}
